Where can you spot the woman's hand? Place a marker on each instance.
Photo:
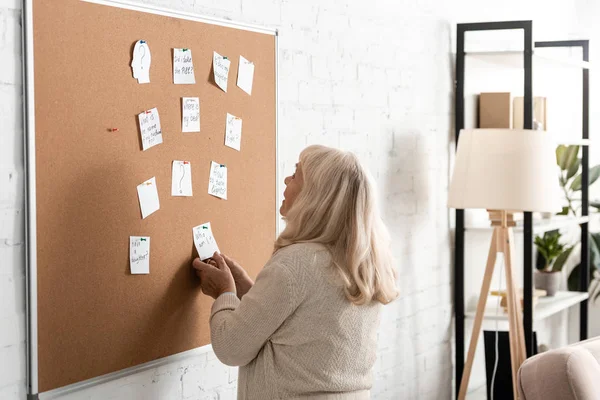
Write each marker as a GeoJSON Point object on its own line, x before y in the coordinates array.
{"type": "Point", "coordinates": [243, 283]}
{"type": "Point", "coordinates": [215, 277]}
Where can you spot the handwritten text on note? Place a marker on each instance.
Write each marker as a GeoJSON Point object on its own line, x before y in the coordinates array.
{"type": "Point", "coordinates": [191, 114]}
{"type": "Point", "coordinates": [140, 64]}
{"type": "Point", "coordinates": [217, 182]}
{"type": "Point", "coordinates": [233, 132]}
{"type": "Point", "coordinates": [183, 67]}
{"type": "Point", "coordinates": [181, 178]}
{"type": "Point", "coordinates": [139, 254]}
{"type": "Point", "coordinates": [221, 70]}
{"type": "Point", "coordinates": [150, 129]}
{"type": "Point", "coordinates": [205, 242]}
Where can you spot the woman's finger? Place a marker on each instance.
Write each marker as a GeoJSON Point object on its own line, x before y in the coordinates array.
{"type": "Point", "coordinates": [199, 265]}
{"type": "Point", "coordinates": [221, 264]}
{"type": "Point", "coordinates": [230, 263]}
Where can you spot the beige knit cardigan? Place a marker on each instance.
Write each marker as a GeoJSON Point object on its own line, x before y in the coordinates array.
{"type": "Point", "coordinates": [294, 334]}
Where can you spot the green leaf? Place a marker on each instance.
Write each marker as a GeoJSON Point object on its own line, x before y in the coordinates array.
{"type": "Point", "coordinates": [561, 259]}
{"type": "Point", "coordinates": [594, 175]}
{"type": "Point", "coordinates": [573, 279]}
{"type": "Point", "coordinates": [561, 153]}
{"type": "Point", "coordinates": [594, 242]}
{"type": "Point", "coordinates": [573, 169]}
{"type": "Point", "coordinates": [565, 210]}
{"type": "Point", "coordinates": [576, 184]}
{"type": "Point", "coordinates": [570, 157]}
{"type": "Point", "coordinates": [549, 248]}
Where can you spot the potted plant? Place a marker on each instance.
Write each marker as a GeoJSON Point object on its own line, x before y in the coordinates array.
{"type": "Point", "coordinates": [570, 180]}
{"type": "Point", "coordinates": [548, 274]}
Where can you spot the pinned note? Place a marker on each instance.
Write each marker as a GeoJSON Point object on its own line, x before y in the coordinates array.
{"type": "Point", "coordinates": [221, 70]}
{"type": "Point", "coordinates": [139, 254]}
{"type": "Point", "coordinates": [191, 114]}
{"type": "Point", "coordinates": [140, 62]}
{"type": "Point", "coordinates": [182, 179]}
{"type": "Point", "coordinates": [150, 128]}
{"type": "Point", "coordinates": [217, 182]}
{"type": "Point", "coordinates": [183, 67]}
{"type": "Point", "coordinates": [233, 132]}
{"type": "Point", "coordinates": [148, 197]}
{"type": "Point", "coordinates": [205, 242]}
{"type": "Point", "coordinates": [245, 75]}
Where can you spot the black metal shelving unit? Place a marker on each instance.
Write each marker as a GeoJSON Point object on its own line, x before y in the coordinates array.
{"type": "Point", "coordinates": [459, 250]}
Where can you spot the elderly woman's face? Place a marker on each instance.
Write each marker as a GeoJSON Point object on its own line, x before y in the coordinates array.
{"type": "Point", "coordinates": [293, 185]}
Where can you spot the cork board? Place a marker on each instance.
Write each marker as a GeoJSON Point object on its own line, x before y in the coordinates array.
{"type": "Point", "coordinates": [94, 317]}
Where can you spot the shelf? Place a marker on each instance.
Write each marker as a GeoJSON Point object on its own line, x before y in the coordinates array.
{"type": "Point", "coordinates": [514, 59]}
{"type": "Point", "coordinates": [545, 307]}
{"type": "Point", "coordinates": [577, 142]}
{"type": "Point", "coordinates": [539, 225]}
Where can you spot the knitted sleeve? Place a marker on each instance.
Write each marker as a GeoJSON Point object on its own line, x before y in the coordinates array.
{"type": "Point", "coordinates": [240, 328]}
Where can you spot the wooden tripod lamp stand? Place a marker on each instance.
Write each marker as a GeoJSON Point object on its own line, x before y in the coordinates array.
{"type": "Point", "coordinates": [503, 171]}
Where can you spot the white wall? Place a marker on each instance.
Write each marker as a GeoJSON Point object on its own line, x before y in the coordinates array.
{"type": "Point", "coordinates": [375, 77]}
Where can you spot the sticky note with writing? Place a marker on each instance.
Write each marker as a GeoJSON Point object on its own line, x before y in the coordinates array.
{"type": "Point", "coordinates": [183, 67]}
{"type": "Point", "coordinates": [150, 128]}
{"type": "Point", "coordinates": [206, 245]}
{"type": "Point", "coordinates": [139, 254]}
{"type": "Point", "coordinates": [221, 70]}
{"type": "Point", "coordinates": [140, 63]}
{"type": "Point", "coordinates": [233, 132]}
{"type": "Point", "coordinates": [217, 182]}
{"type": "Point", "coordinates": [190, 121]}
{"type": "Point", "coordinates": [245, 75]}
{"type": "Point", "coordinates": [148, 197]}
{"type": "Point", "coordinates": [182, 179]}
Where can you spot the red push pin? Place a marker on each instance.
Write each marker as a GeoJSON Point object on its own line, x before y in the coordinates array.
{"type": "Point", "coordinates": [113, 129]}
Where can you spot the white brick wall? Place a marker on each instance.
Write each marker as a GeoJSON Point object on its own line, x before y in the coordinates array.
{"type": "Point", "coordinates": [374, 77]}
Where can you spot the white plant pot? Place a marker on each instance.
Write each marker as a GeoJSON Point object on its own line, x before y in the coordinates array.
{"type": "Point", "coordinates": [548, 281]}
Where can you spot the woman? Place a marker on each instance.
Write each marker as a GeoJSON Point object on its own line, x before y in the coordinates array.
{"type": "Point", "coordinates": [308, 327]}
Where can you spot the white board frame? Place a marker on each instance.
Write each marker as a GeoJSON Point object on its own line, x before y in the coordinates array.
{"type": "Point", "coordinates": [30, 192]}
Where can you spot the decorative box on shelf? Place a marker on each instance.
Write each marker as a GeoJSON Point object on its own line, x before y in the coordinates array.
{"type": "Point", "coordinates": [537, 293]}
{"type": "Point", "coordinates": [503, 110]}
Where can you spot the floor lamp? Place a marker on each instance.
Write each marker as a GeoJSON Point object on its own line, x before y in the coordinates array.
{"type": "Point", "coordinates": [503, 171]}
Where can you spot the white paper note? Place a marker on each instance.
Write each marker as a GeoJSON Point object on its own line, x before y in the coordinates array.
{"type": "Point", "coordinates": [182, 179]}
{"type": "Point", "coordinates": [233, 132]}
{"type": "Point", "coordinates": [217, 182]}
{"type": "Point", "coordinates": [205, 242]}
{"type": "Point", "coordinates": [139, 254]}
{"type": "Point", "coordinates": [221, 70]}
{"type": "Point", "coordinates": [191, 114]}
{"type": "Point", "coordinates": [150, 128]}
{"type": "Point", "coordinates": [183, 67]}
{"type": "Point", "coordinates": [140, 62]}
{"type": "Point", "coordinates": [245, 75]}
{"type": "Point", "coordinates": [148, 196]}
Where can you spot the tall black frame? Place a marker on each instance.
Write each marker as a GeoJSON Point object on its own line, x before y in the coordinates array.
{"type": "Point", "coordinates": [584, 278]}
{"type": "Point", "coordinates": [459, 250]}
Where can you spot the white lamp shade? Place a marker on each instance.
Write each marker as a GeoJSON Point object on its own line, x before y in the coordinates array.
{"type": "Point", "coordinates": [505, 169]}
